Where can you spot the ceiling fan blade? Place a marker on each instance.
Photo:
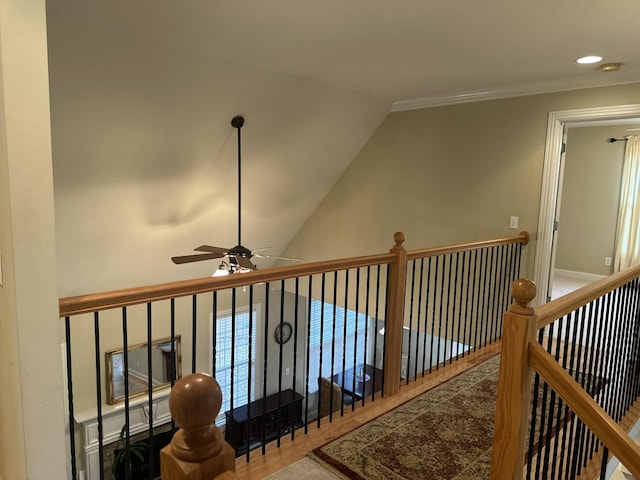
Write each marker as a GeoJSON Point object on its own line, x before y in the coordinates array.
{"type": "Point", "coordinates": [210, 249]}
{"type": "Point", "coordinates": [278, 257]}
{"type": "Point", "coordinates": [244, 262]}
{"type": "Point", "coordinates": [195, 258]}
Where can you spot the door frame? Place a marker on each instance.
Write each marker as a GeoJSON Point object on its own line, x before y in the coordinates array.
{"type": "Point", "coordinates": [551, 175]}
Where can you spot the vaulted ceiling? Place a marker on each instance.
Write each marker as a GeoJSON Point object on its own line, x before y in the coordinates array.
{"type": "Point", "coordinates": [142, 94]}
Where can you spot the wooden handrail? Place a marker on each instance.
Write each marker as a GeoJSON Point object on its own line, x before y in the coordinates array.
{"type": "Point", "coordinates": [550, 312]}
{"type": "Point", "coordinates": [95, 302]}
{"type": "Point", "coordinates": [138, 295]}
{"type": "Point", "coordinates": [523, 238]}
{"type": "Point", "coordinates": [600, 423]}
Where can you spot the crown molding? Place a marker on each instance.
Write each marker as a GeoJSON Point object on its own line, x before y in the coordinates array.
{"type": "Point", "coordinates": [631, 76]}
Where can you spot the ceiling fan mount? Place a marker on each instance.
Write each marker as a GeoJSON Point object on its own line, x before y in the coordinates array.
{"type": "Point", "coordinates": [239, 256]}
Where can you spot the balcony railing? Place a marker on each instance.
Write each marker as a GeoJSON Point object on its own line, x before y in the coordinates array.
{"type": "Point", "coordinates": [272, 339]}
{"type": "Point", "coordinates": [569, 379]}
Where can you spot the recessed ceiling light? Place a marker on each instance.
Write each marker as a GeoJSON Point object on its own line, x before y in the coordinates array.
{"type": "Point", "coordinates": [589, 59]}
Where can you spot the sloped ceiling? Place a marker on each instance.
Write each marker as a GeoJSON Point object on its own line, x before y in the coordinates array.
{"type": "Point", "coordinates": [142, 94]}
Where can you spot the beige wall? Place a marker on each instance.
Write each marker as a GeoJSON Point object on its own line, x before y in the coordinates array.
{"type": "Point", "coordinates": [444, 175]}
{"type": "Point", "coordinates": [590, 198]}
{"type": "Point", "coordinates": [32, 428]}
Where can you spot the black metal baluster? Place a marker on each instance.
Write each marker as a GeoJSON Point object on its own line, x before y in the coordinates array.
{"type": "Point", "coordinates": [125, 357]}
{"type": "Point", "coordinates": [296, 331]}
{"type": "Point", "coordinates": [447, 316]}
{"type": "Point", "coordinates": [366, 330]}
{"type": "Point", "coordinates": [355, 343]}
{"type": "Point", "coordinates": [194, 334]}
{"type": "Point", "coordinates": [251, 356]}
{"type": "Point", "coordinates": [500, 306]}
{"type": "Point", "coordinates": [552, 403]}
{"type": "Point", "coordinates": [72, 443]}
{"type": "Point", "coordinates": [534, 413]}
{"type": "Point", "coordinates": [308, 367]}
{"type": "Point", "coordinates": [418, 323]}
{"type": "Point", "coordinates": [426, 322]}
{"type": "Point", "coordinates": [334, 300]}
{"type": "Point", "coordinates": [474, 301]}
{"type": "Point", "coordinates": [438, 361]}
{"type": "Point", "coordinates": [280, 364]}
{"type": "Point", "coordinates": [433, 313]}
{"type": "Point", "coordinates": [150, 393]}
{"type": "Point", "coordinates": [453, 313]}
{"type": "Point", "coordinates": [344, 336]}
{"type": "Point", "coordinates": [467, 326]}
{"type": "Point", "coordinates": [96, 337]}
{"type": "Point", "coordinates": [384, 349]}
{"type": "Point", "coordinates": [485, 294]}
{"type": "Point", "coordinates": [320, 373]}
{"type": "Point", "coordinates": [263, 432]}
{"type": "Point", "coordinates": [232, 370]}
{"type": "Point", "coordinates": [491, 297]}
{"type": "Point", "coordinates": [413, 283]}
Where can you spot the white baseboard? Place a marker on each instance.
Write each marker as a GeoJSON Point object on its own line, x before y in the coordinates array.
{"type": "Point", "coordinates": [588, 277]}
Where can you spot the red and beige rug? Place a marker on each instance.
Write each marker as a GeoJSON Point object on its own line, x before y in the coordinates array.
{"type": "Point", "coordinates": [446, 433]}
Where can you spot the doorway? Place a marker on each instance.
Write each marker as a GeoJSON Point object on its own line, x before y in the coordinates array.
{"type": "Point", "coordinates": [552, 181]}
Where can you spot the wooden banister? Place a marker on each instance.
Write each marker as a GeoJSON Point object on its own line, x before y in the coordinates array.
{"type": "Point", "coordinates": [197, 450]}
{"type": "Point", "coordinates": [95, 302]}
{"type": "Point", "coordinates": [514, 385]}
{"type": "Point", "coordinates": [600, 423]}
{"type": "Point", "coordinates": [395, 317]}
{"type": "Point", "coordinates": [522, 355]}
{"type": "Point", "coordinates": [550, 312]}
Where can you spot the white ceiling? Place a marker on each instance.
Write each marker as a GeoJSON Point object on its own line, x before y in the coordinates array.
{"type": "Point", "coordinates": [394, 50]}
{"type": "Point", "coordinates": [142, 93]}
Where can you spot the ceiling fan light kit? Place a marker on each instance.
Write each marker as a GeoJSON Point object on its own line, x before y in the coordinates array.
{"type": "Point", "coordinates": [239, 256]}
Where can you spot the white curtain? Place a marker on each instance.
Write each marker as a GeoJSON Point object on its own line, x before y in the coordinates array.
{"type": "Point", "coordinates": [628, 231]}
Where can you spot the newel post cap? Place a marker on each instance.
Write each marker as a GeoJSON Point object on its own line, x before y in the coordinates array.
{"type": "Point", "coordinates": [523, 292]}
{"type": "Point", "coordinates": [194, 402]}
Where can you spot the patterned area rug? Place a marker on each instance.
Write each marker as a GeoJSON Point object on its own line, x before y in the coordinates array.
{"type": "Point", "coordinates": [413, 443]}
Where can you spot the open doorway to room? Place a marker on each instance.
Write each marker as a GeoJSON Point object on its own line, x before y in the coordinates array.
{"type": "Point", "coordinates": [551, 195]}
{"type": "Point", "coordinates": [588, 205]}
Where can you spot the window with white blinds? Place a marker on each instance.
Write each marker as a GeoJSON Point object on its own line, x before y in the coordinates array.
{"type": "Point", "coordinates": [244, 359]}
{"type": "Point", "coordinates": [333, 341]}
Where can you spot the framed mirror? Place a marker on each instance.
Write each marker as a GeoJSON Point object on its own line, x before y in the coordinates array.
{"type": "Point", "coordinates": [166, 361]}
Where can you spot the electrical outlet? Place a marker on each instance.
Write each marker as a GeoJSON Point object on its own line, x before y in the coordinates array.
{"type": "Point", "coordinates": [607, 261]}
{"type": "Point", "coordinates": [513, 223]}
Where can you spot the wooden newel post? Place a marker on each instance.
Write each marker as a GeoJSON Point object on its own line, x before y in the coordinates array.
{"type": "Point", "coordinates": [514, 385]}
{"type": "Point", "coordinates": [197, 450]}
{"type": "Point", "coordinates": [395, 317]}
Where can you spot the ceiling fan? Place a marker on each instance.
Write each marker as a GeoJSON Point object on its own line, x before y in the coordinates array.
{"type": "Point", "coordinates": [239, 256]}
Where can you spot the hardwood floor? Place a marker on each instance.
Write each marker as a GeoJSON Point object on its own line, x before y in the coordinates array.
{"type": "Point", "coordinates": [291, 451]}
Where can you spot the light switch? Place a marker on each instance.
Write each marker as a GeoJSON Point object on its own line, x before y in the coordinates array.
{"type": "Point", "coordinates": [513, 223]}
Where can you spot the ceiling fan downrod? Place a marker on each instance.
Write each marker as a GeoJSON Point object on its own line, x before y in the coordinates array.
{"type": "Point", "coordinates": [237, 122]}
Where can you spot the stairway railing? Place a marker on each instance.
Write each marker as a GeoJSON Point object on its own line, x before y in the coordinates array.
{"type": "Point", "coordinates": [443, 300]}
{"type": "Point", "coordinates": [591, 376]}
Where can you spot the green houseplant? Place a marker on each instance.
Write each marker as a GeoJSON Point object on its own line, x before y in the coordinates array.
{"type": "Point", "coordinates": [129, 458]}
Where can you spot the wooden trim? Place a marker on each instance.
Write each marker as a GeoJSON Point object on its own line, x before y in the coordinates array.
{"type": "Point", "coordinates": [550, 312]}
{"type": "Point", "coordinates": [523, 238]}
{"type": "Point", "coordinates": [600, 423]}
